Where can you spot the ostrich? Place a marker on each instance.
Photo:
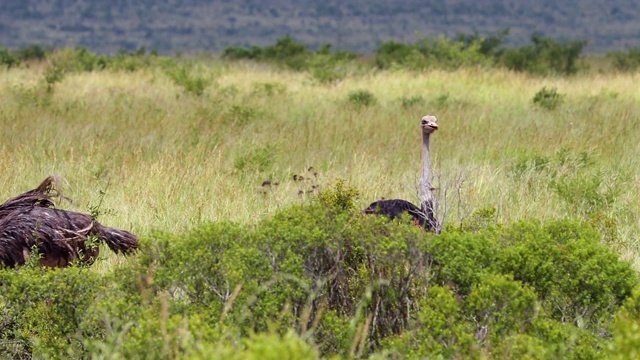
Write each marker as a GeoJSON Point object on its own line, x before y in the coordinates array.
{"type": "Point", "coordinates": [61, 237]}
{"type": "Point", "coordinates": [423, 215]}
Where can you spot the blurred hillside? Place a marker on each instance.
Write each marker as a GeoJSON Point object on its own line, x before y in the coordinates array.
{"type": "Point", "coordinates": [170, 26]}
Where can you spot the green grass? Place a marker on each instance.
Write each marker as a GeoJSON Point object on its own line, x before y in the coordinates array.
{"type": "Point", "coordinates": [170, 160]}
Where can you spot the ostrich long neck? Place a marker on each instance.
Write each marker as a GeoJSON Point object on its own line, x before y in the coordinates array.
{"type": "Point", "coordinates": [426, 196]}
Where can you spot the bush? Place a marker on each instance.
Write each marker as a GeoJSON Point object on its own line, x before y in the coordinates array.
{"type": "Point", "coordinates": [437, 52]}
{"type": "Point", "coordinates": [490, 45]}
{"type": "Point", "coordinates": [576, 278]}
{"type": "Point", "coordinates": [124, 61]}
{"type": "Point", "coordinates": [625, 61]}
{"type": "Point", "coordinates": [362, 98]}
{"type": "Point", "coordinates": [49, 321]}
{"type": "Point", "coordinates": [32, 52]}
{"type": "Point", "coordinates": [237, 53]}
{"type": "Point", "coordinates": [545, 56]}
{"type": "Point", "coordinates": [285, 51]}
{"type": "Point", "coordinates": [626, 330]}
{"type": "Point", "coordinates": [441, 330]}
{"type": "Point", "coordinates": [500, 307]}
{"type": "Point", "coordinates": [461, 259]}
{"type": "Point", "coordinates": [321, 280]}
{"type": "Point", "coordinates": [192, 84]}
{"type": "Point", "coordinates": [392, 52]}
{"type": "Point", "coordinates": [547, 98]}
{"type": "Point", "coordinates": [7, 58]}
{"type": "Point", "coordinates": [78, 59]}
{"type": "Point", "coordinates": [241, 115]}
{"type": "Point", "coordinates": [52, 75]}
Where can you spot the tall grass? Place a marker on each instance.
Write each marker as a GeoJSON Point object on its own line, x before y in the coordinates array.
{"type": "Point", "coordinates": [169, 160]}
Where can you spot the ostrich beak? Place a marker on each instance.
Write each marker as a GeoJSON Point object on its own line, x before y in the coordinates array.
{"type": "Point", "coordinates": [431, 126]}
{"type": "Point", "coordinates": [429, 122]}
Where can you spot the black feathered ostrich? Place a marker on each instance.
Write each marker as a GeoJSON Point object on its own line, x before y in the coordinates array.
{"type": "Point", "coordinates": [423, 215]}
{"type": "Point", "coordinates": [30, 221]}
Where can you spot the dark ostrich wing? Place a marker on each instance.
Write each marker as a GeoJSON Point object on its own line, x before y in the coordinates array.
{"type": "Point", "coordinates": [14, 246]}
{"type": "Point", "coordinates": [393, 208]}
{"type": "Point", "coordinates": [72, 227]}
{"type": "Point", "coordinates": [396, 207]}
{"type": "Point", "coordinates": [60, 236]}
{"type": "Point", "coordinates": [20, 231]}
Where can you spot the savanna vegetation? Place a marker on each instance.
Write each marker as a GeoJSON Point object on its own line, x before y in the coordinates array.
{"type": "Point", "coordinates": [244, 177]}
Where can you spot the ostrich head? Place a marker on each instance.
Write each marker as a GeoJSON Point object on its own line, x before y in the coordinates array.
{"type": "Point", "coordinates": [429, 124]}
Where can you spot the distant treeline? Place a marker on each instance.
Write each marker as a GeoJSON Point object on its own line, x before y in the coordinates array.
{"type": "Point", "coordinates": [543, 56]}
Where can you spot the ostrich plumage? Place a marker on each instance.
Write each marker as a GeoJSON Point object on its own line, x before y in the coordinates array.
{"type": "Point", "coordinates": [423, 215]}
{"type": "Point", "coordinates": [31, 220]}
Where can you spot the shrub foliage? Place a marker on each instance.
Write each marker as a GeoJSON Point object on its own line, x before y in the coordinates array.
{"type": "Point", "coordinates": [322, 279]}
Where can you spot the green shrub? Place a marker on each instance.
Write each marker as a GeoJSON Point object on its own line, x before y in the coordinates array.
{"type": "Point", "coordinates": [52, 75]}
{"type": "Point", "coordinates": [522, 59]}
{"type": "Point", "coordinates": [289, 346]}
{"type": "Point", "coordinates": [625, 343]}
{"type": "Point", "coordinates": [362, 98]}
{"type": "Point", "coordinates": [500, 307]}
{"type": "Point", "coordinates": [451, 54]}
{"type": "Point", "coordinates": [31, 52]}
{"type": "Point", "coordinates": [437, 52]}
{"type": "Point", "coordinates": [342, 196]}
{"type": "Point", "coordinates": [522, 346]}
{"type": "Point", "coordinates": [481, 219]}
{"type": "Point", "coordinates": [440, 329]}
{"type": "Point", "coordinates": [124, 61]}
{"type": "Point", "coordinates": [327, 74]}
{"type": "Point", "coordinates": [491, 45]}
{"type": "Point", "coordinates": [285, 51]}
{"type": "Point", "coordinates": [241, 115]}
{"type": "Point", "coordinates": [547, 98]}
{"type": "Point", "coordinates": [285, 48]}
{"type": "Point", "coordinates": [545, 56]}
{"type": "Point", "coordinates": [577, 279]}
{"type": "Point", "coordinates": [78, 59]}
{"type": "Point", "coordinates": [461, 259]}
{"type": "Point", "coordinates": [48, 321]}
{"type": "Point", "coordinates": [236, 53]}
{"type": "Point", "coordinates": [392, 53]}
{"type": "Point", "coordinates": [7, 58]}
{"type": "Point", "coordinates": [625, 61]}
{"type": "Point", "coordinates": [320, 279]}
{"type": "Point", "coordinates": [440, 52]}
{"type": "Point", "coordinates": [192, 84]}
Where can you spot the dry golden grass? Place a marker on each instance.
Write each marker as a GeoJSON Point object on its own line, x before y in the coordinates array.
{"type": "Point", "coordinates": [169, 160]}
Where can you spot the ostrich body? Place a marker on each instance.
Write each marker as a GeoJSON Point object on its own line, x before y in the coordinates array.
{"type": "Point", "coordinates": [423, 215]}
{"type": "Point", "coordinates": [60, 236]}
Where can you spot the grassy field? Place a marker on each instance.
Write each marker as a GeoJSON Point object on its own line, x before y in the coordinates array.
{"type": "Point", "coordinates": [169, 160]}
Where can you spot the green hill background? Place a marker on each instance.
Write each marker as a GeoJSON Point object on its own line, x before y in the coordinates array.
{"type": "Point", "coordinates": [170, 26]}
